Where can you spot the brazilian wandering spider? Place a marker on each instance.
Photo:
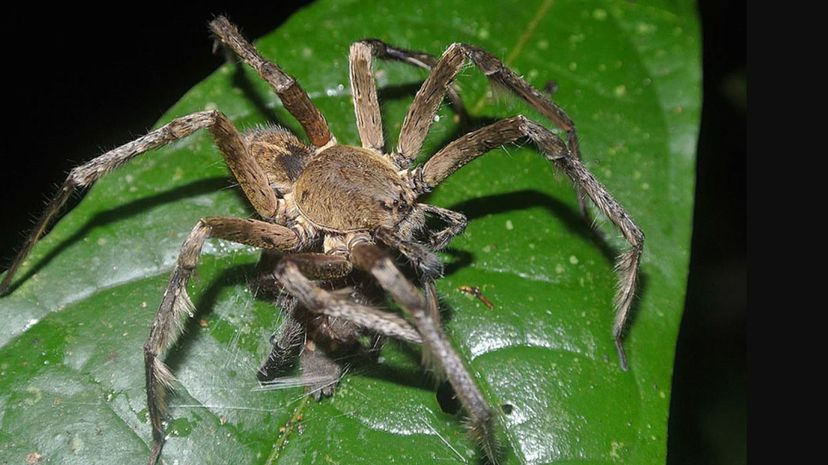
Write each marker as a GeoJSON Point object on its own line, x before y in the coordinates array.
{"type": "Point", "coordinates": [327, 210]}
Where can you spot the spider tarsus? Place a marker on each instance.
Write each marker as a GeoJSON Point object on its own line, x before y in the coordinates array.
{"type": "Point", "coordinates": [482, 432]}
{"type": "Point", "coordinates": [156, 393]}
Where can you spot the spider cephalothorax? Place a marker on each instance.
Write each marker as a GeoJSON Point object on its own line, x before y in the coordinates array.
{"type": "Point", "coordinates": [332, 217]}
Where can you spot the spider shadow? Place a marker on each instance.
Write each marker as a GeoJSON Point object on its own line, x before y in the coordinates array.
{"type": "Point", "coordinates": [202, 186]}
{"type": "Point", "coordinates": [460, 259]}
{"type": "Point", "coordinates": [236, 275]}
{"type": "Point", "coordinates": [408, 371]}
{"type": "Point", "coordinates": [529, 198]}
{"type": "Point", "coordinates": [467, 122]}
{"type": "Point", "coordinates": [242, 82]}
{"type": "Point", "coordinates": [365, 364]}
{"type": "Point", "coordinates": [571, 218]}
{"type": "Point", "coordinates": [398, 91]}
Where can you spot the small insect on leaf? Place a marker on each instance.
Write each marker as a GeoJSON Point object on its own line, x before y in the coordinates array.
{"type": "Point", "coordinates": [476, 292]}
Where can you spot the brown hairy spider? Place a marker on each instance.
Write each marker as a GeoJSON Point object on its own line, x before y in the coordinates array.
{"type": "Point", "coordinates": [328, 211]}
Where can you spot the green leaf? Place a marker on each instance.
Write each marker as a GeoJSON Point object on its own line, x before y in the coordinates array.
{"type": "Point", "coordinates": [628, 73]}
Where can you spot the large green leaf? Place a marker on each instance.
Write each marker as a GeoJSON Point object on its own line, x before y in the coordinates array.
{"type": "Point", "coordinates": [71, 367]}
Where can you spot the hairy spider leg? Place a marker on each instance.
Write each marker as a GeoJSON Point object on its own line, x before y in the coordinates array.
{"type": "Point", "coordinates": [420, 115]}
{"type": "Point", "coordinates": [294, 98]}
{"type": "Point", "coordinates": [437, 347]}
{"type": "Point", "coordinates": [176, 306]}
{"type": "Point", "coordinates": [364, 90]}
{"type": "Point", "coordinates": [468, 147]}
{"type": "Point", "coordinates": [456, 224]}
{"type": "Point", "coordinates": [295, 272]}
{"type": "Point", "coordinates": [366, 103]}
{"type": "Point", "coordinates": [245, 169]}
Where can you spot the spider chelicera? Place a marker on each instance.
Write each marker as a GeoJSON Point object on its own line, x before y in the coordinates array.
{"type": "Point", "coordinates": [328, 211]}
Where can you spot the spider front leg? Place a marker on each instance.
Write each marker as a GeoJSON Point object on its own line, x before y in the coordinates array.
{"type": "Point", "coordinates": [364, 90]}
{"type": "Point", "coordinates": [366, 103]}
{"type": "Point", "coordinates": [466, 148]}
{"type": "Point", "coordinates": [247, 172]}
{"type": "Point", "coordinates": [294, 98]}
{"type": "Point", "coordinates": [176, 306]}
{"type": "Point", "coordinates": [420, 115]}
{"type": "Point", "coordinates": [295, 272]}
{"type": "Point", "coordinates": [437, 348]}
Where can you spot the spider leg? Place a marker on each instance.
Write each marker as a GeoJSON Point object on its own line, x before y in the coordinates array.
{"type": "Point", "coordinates": [363, 86]}
{"type": "Point", "coordinates": [288, 340]}
{"type": "Point", "coordinates": [244, 168]}
{"type": "Point", "coordinates": [285, 345]}
{"type": "Point", "coordinates": [447, 361]}
{"type": "Point", "coordinates": [456, 224]}
{"type": "Point", "coordinates": [176, 306]}
{"type": "Point", "coordinates": [366, 104]}
{"type": "Point", "coordinates": [421, 113]}
{"type": "Point", "coordinates": [320, 372]}
{"type": "Point", "coordinates": [293, 273]}
{"type": "Point", "coordinates": [422, 258]}
{"type": "Point", "coordinates": [466, 148]}
{"type": "Point", "coordinates": [294, 98]}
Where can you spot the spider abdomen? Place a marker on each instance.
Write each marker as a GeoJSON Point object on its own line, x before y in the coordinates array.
{"type": "Point", "coordinates": [347, 188]}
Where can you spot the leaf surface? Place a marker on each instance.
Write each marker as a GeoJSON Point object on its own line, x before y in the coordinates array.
{"type": "Point", "coordinates": [71, 363]}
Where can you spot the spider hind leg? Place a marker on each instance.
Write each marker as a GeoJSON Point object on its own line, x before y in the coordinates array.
{"type": "Point", "coordinates": [476, 143]}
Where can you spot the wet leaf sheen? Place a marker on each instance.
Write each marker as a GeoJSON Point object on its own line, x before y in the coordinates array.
{"type": "Point", "coordinates": [71, 369]}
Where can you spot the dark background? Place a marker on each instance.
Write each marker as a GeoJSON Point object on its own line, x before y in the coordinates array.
{"type": "Point", "coordinates": [708, 406]}
{"type": "Point", "coordinates": [153, 56]}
